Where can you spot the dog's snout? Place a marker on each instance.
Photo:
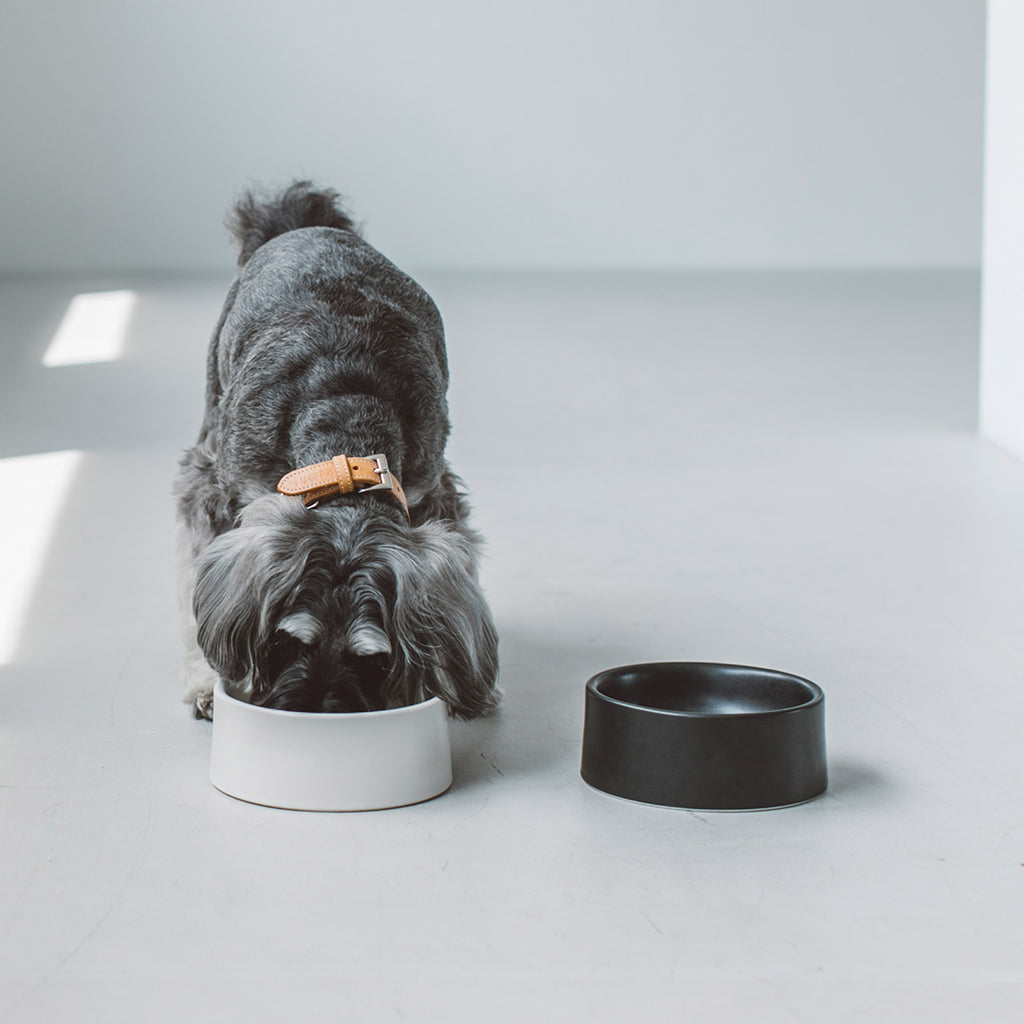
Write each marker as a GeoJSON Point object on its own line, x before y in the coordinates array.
{"type": "Point", "coordinates": [328, 683]}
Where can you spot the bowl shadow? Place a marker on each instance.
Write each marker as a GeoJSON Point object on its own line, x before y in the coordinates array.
{"type": "Point", "coordinates": [848, 777]}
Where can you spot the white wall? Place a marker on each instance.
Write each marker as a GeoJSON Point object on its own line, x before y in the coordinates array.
{"type": "Point", "coordinates": [1002, 336]}
{"type": "Point", "coordinates": [467, 132]}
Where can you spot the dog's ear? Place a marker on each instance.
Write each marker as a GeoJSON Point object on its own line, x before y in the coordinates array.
{"type": "Point", "coordinates": [244, 580]}
{"type": "Point", "coordinates": [442, 638]}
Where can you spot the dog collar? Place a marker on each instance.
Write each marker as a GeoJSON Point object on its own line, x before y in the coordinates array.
{"type": "Point", "coordinates": [342, 474]}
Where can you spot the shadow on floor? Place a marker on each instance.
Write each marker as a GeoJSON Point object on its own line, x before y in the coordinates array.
{"type": "Point", "coordinates": [850, 778]}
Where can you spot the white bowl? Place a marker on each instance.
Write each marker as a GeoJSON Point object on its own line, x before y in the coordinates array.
{"type": "Point", "coordinates": [311, 761]}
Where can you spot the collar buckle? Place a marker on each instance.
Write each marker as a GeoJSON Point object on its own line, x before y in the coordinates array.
{"type": "Point", "coordinates": [387, 481]}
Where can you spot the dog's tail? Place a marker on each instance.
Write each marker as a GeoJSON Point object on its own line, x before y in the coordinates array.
{"type": "Point", "coordinates": [257, 219]}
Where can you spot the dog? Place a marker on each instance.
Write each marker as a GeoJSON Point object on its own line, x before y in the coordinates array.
{"type": "Point", "coordinates": [358, 592]}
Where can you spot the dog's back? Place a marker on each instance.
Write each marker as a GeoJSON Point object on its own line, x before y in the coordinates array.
{"type": "Point", "coordinates": [324, 346]}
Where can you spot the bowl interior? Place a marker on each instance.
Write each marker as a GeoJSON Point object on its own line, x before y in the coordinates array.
{"type": "Point", "coordinates": [699, 688]}
{"type": "Point", "coordinates": [225, 696]}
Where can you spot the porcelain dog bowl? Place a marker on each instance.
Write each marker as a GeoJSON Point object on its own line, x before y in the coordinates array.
{"type": "Point", "coordinates": [310, 761]}
{"type": "Point", "coordinates": [704, 736]}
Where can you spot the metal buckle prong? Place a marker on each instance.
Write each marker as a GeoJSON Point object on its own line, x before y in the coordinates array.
{"type": "Point", "coordinates": [387, 482]}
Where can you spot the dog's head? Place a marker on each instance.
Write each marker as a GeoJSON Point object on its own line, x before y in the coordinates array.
{"type": "Point", "coordinates": [341, 608]}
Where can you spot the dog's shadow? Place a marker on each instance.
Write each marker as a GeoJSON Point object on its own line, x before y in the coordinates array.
{"type": "Point", "coordinates": [538, 728]}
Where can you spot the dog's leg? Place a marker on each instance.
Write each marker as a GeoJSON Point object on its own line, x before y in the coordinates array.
{"type": "Point", "coordinates": [197, 676]}
{"type": "Point", "coordinates": [195, 487]}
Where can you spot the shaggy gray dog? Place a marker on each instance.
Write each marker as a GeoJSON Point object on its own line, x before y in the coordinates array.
{"type": "Point", "coordinates": [325, 348]}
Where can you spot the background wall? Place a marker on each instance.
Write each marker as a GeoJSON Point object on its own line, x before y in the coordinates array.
{"type": "Point", "coordinates": [682, 133]}
{"type": "Point", "coordinates": [1002, 310]}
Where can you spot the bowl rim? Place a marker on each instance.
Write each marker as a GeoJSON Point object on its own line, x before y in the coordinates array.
{"type": "Point", "coordinates": [817, 694]}
{"type": "Point", "coordinates": [222, 694]}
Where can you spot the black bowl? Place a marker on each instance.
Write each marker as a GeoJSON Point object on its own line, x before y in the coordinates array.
{"type": "Point", "coordinates": [704, 736]}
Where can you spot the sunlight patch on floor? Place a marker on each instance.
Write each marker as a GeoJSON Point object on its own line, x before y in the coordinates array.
{"type": "Point", "coordinates": [94, 329]}
{"type": "Point", "coordinates": [36, 487]}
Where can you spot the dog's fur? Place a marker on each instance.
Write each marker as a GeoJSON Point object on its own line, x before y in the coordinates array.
{"type": "Point", "coordinates": [324, 348]}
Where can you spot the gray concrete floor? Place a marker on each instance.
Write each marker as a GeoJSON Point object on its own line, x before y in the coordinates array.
{"type": "Point", "coordinates": [775, 470]}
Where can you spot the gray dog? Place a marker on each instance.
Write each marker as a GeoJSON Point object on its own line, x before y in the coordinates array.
{"type": "Point", "coordinates": [343, 593]}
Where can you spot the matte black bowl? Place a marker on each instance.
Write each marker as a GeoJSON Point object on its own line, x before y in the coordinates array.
{"type": "Point", "coordinates": [704, 736]}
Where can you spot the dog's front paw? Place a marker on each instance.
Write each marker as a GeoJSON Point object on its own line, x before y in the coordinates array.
{"type": "Point", "coordinates": [202, 705]}
{"type": "Point", "coordinates": [199, 681]}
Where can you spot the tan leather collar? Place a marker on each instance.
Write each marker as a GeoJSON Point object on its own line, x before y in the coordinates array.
{"type": "Point", "coordinates": [343, 474]}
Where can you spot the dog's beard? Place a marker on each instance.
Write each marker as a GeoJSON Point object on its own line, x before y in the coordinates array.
{"type": "Point", "coordinates": [295, 677]}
